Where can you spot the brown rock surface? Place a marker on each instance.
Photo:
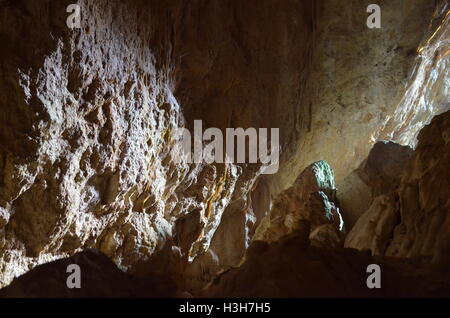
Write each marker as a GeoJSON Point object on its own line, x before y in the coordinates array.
{"type": "Point", "coordinates": [378, 174]}
{"type": "Point", "coordinates": [360, 89]}
{"type": "Point", "coordinates": [86, 121]}
{"type": "Point", "coordinates": [413, 220]}
{"type": "Point", "coordinates": [86, 117]}
{"type": "Point", "coordinates": [306, 206]}
{"type": "Point", "coordinates": [289, 268]}
{"type": "Point", "coordinates": [100, 277]}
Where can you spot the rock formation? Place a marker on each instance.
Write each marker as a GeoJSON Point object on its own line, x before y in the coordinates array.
{"type": "Point", "coordinates": [87, 117]}
{"type": "Point", "coordinates": [379, 174]}
{"type": "Point", "coordinates": [288, 268]}
{"type": "Point", "coordinates": [306, 206]}
{"type": "Point", "coordinates": [412, 220]}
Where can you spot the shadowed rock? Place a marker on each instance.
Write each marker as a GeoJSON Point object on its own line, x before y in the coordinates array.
{"type": "Point", "coordinates": [100, 277]}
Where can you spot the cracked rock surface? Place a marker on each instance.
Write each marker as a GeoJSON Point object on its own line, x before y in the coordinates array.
{"type": "Point", "coordinates": [87, 119]}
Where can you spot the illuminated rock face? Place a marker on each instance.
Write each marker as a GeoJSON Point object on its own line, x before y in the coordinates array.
{"type": "Point", "coordinates": [360, 89]}
{"type": "Point", "coordinates": [87, 115]}
{"type": "Point", "coordinates": [99, 278]}
{"type": "Point", "coordinates": [413, 220]}
{"type": "Point", "coordinates": [379, 174]}
{"type": "Point", "coordinates": [289, 268]}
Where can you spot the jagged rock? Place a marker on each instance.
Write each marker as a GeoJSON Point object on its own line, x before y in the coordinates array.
{"type": "Point", "coordinates": [86, 121]}
{"type": "Point", "coordinates": [289, 268]}
{"type": "Point", "coordinates": [379, 174]}
{"type": "Point", "coordinates": [326, 236]}
{"type": "Point", "coordinates": [311, 200]}
{"type": "Point", "coordinates": [354, 94]}
{"type": "Point", "coordinates": [99, 277]}
{"type": "Point", "coordinates": [86, 117]}
{"type": "Point", "coordinates": [413, 221]}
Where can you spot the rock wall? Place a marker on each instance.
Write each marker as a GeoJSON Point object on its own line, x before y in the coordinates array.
{"type": "Point", "coordinates": [307, 208]}
{"type": "Point", "coordinates": [289, 268]}
{"type": "Point", "coordinates": [413, 220]}
{"type": "Point", "coordinates": [87, 116]}
{"type": "Point", "coordinates": [406, 229]}
{"type": "Point", "coordinates": [100, 279]}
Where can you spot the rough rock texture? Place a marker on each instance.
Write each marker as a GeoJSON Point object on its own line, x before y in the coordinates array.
{"type": "Point", "coordinates": [427, 92]}
{"type": "Point", "coordinates": [413, 220]}
{"type": "Point", "coordinates": [306, 206]}
{"type": "Point", "coordinates": [86, 117]}
{"type": "Point", "coordinates": [379, 174]}
{"type": "Point", "coordinates": [86, 121]}
{"type": "Point", "coordinates": [286, 268]}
